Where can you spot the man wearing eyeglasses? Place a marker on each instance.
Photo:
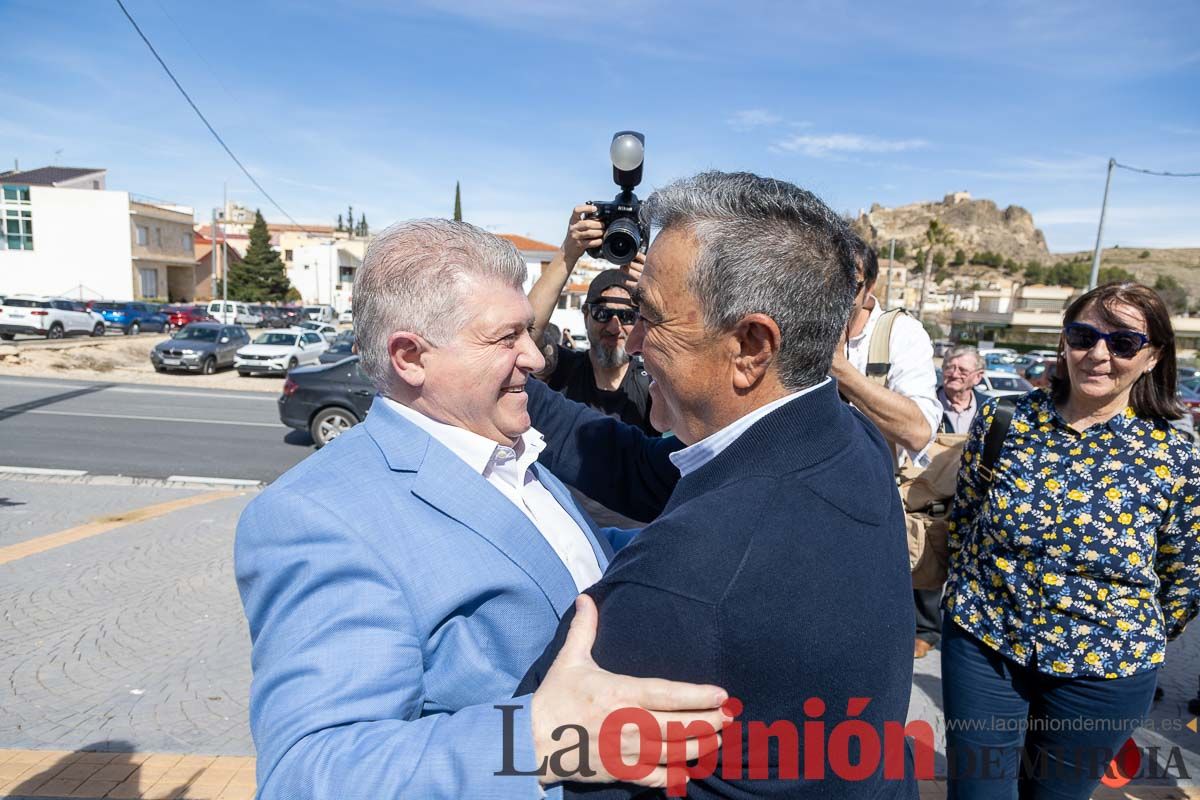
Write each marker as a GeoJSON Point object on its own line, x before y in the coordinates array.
{"type": "Point", "coordinates": [962, 370]}
{"type": "Point", "coordinates": [604, 376]}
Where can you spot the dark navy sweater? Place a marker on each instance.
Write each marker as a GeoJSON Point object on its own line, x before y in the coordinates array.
{"type": "Point", "coordinates": [778, 571]}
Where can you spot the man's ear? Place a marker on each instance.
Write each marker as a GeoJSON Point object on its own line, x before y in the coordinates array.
{"type": "Point", "coordinates": [407, 351]}
{"type": "Point", "coordinates": [758, 338]}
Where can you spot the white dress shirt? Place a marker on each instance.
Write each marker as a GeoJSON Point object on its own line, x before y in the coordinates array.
{"type": "Point", "coordinates": [509, 470]}
{"type": "Point", "coordinates": [912, 374]}
{"type": "Point", "coordinates": [695, 456]}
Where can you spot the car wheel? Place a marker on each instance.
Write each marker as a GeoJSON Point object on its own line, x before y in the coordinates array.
{"type": "Point", "coordinates": [98, 330]}
{"type": "Point", "coordinates": [329, 424]}
{"type": "Point", "coordinates": [167, 327]}
{"type": "Point", "coordinates": [243, 373]}
{"type": "Point", "coordinates": [158, 368]}
{"type": "Point", "coordinates": [209, 366]}
{"type": "Point", "coordinates": [133, 330]}
{"type": "Point", "coordinates": [55, 332]}
{"type": "Point", "coordinates": [292, 363]}
{"type": "Point", "coordinates": [8, 337]}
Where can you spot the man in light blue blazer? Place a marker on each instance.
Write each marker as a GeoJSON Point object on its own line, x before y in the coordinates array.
{"type": "Point", "coordinates": [399, 582]}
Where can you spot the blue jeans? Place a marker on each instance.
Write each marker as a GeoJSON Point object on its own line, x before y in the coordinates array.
{"type": "Point", "coordinates": [1013, 731]}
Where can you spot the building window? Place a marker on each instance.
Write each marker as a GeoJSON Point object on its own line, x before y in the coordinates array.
{"type": "Point", "coordinates": [287, 255]}
{"type": "Point", "coordinates": [158, 238]}
{"type": "Point", "coordinates": [143, 235]}
{"type": "Point", "coordinates": [149, 282]}
{"type": "Point", "coordinates": [185, 243]}
{"type": "Point", "coordinates": [346, 275]}
{"type": "Point", "coordinates": [16, 219]}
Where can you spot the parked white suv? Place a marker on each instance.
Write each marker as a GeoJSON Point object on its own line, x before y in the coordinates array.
{"type": "Point", "coordinates": [279, 351]}
{"type": "Point", "coordinates": [233, 313]}
{"type": "Point", "coordinates": [52, 317]}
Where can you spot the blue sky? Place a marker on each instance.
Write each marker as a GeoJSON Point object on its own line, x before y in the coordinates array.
{"type": "Point", "coordinates": [385, 104]}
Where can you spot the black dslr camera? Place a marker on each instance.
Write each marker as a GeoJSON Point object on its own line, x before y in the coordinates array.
{"type": "Point", "coordinates": [623, 233]}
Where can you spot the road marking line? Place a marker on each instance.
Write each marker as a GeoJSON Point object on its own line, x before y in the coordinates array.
{"type": "Point", "coordinates": [156, 419]}
{"type": "Point", "coordinates": [213, 481]}
{"type": "Point", "coordinates": [105, 524]}
{"type": "Point", "coordinates": [71, 473]}
{"type": "Point", "coordinates": [199, 393]}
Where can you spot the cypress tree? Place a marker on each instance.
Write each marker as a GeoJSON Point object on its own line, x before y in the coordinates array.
{"type": "Point", "coordinates": [261, 275]}
{"type": "Point", "coordinates": [457, 203]}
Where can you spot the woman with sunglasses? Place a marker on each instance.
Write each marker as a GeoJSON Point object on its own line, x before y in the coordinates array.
{"type": "Point", "coordinates": [1072, 568]}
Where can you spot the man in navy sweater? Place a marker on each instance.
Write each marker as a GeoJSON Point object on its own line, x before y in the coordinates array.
{"type": "Point", "coordinates": [779, 569]}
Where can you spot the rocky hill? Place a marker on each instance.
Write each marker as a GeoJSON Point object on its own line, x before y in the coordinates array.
{"type": "Point", "coordinates": [978, 226]}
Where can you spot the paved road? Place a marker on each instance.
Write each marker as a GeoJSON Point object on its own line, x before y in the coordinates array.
{"type": "Point", "coordinates": [144, 431]}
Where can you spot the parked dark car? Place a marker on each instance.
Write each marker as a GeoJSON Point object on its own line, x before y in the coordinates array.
{"type": "Point", "coordinates": [341, 349]}
{"type": "Point", "coordinates": [200, 347]}
{"type": "Point", "coordinates": [327, 400]}
{"type": "Point", "coordinates": [132, 317]}
{"type": "Point", "coordinates": [180, 316]}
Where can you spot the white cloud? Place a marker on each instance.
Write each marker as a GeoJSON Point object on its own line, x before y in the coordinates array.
{"type": "Point", "coordinates": [834, 143]}
{"type": "Point", "coordinates": [751, 118]}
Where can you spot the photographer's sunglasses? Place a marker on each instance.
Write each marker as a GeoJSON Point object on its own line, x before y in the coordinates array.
{"type": "Point", "coordinates": [1122, 343]}
{"type": "Point", "coordinates": [602, 314]}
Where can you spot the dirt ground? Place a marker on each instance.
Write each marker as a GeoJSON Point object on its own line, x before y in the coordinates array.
{"type": "Point", "coordinates": [119, 359]}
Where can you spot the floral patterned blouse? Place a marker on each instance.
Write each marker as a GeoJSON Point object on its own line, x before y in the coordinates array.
{"type": "Point", "coordinates": [1083, 558]}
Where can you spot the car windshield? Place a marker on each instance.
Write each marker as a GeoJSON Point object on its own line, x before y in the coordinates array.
{"type": "Point", "coordinates": [344, 346]}
{"type": "Point", "coordinates": [1013, 384]}
{"type": "Point", "coordinates": [14, 302]}
{"type": "Point", "coordinates": [197, 334]}
{"type": "Point", "coordinates": [312, 309]}
{"type": "Point", "coordinates": [107, 306]}
{"type": "Point", "coordinates": [276, 338]}
{"type": "Point", "coordinates": [312, 326]}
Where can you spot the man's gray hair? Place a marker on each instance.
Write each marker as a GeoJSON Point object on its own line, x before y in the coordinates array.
{"type": "Point", "coordinates": [960, 350]}
{"type": "Point", "coordinates": [413, 279]}
{"type": "Point", "coordinates": [768, 247]}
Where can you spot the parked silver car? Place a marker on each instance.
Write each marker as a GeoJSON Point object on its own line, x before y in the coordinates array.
{"type": "Point", "coordinates": [200, 347]}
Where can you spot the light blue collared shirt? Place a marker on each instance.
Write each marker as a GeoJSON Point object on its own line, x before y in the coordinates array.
{"type": "Point", "coordinates": [693, 457]}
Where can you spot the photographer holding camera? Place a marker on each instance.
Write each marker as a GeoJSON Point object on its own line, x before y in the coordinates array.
{"type": "Point", "coordinates": [604, 377]}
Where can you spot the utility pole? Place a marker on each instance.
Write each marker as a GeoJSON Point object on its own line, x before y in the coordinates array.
{"type": "Point", "coordinates": [1095, 277]}
{"type": "Point", "coordinates": [891, 261]}
{"type": "Point", "coordinates": [225, 252]}
{"type": "Point", "coordinates": [212, 256]}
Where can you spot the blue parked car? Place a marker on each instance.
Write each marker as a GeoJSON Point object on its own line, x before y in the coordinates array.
{"type": "Point", "coordinates": [999, 361]}
{"type": "Point", "coordinates": [133, 317]}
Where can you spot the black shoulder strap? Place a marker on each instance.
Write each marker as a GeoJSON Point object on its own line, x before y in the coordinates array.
{"type": "Point", "coordinates": [1001, 419]}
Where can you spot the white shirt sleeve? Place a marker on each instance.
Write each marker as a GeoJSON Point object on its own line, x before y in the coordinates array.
{"type": "Point", "coordinates": [912, 375]}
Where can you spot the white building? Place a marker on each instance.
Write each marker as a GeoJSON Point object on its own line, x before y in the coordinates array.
{"type": "Point", "coordinates": [323, 273]}
{"type": "Point", "coordinates": [64, 234]}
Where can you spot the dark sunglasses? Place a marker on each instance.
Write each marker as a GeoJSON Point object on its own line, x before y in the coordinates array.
{"type": "Point", "coordinates": [1122, 344]}
{"type": "Point", "coordinates": [602, 314]}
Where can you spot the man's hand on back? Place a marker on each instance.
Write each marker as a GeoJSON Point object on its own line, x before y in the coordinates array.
{"type": "Point", "coordinates": [576, 691]}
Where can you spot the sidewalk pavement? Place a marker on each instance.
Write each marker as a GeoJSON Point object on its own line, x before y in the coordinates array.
{"type": "Point", "coordinates": [126, 655]}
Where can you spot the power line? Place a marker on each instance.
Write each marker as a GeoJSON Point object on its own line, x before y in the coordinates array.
{"type": "Point", "coordinates": [204, 119]}
{"type": "Point", "coordinates": [1153, 172]}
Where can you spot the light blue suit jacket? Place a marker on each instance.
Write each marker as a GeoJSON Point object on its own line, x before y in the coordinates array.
{"type": "Point", "coordinates": [394, 598]}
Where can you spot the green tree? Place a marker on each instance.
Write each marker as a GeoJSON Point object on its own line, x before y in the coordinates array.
{"type": "Point", "coordinates": [935, 236]}
{"type": "Point", "coordinates": [960, 258]}
{"type": "Point", "coordinates": [363, 230]}
{"type": "Point", "coordinates": [1172, 292]}
{"type": "Point", "coordinates": [1035, 272]}
{"type": "Point", "coordinates": [939, 260]}
{"type": "Point", "coordinates": [1114, 275]}
{"type": "Point", "coordinates": [1144, 254]}
{"type": "Point", "coordinates": [341, 225]}
{"type": "Point", "coordinates": [350, 221]}
{"type": "Point", "coordinates": [261, 275]}
{"type": "Point", "coordinates": [457, 202]}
